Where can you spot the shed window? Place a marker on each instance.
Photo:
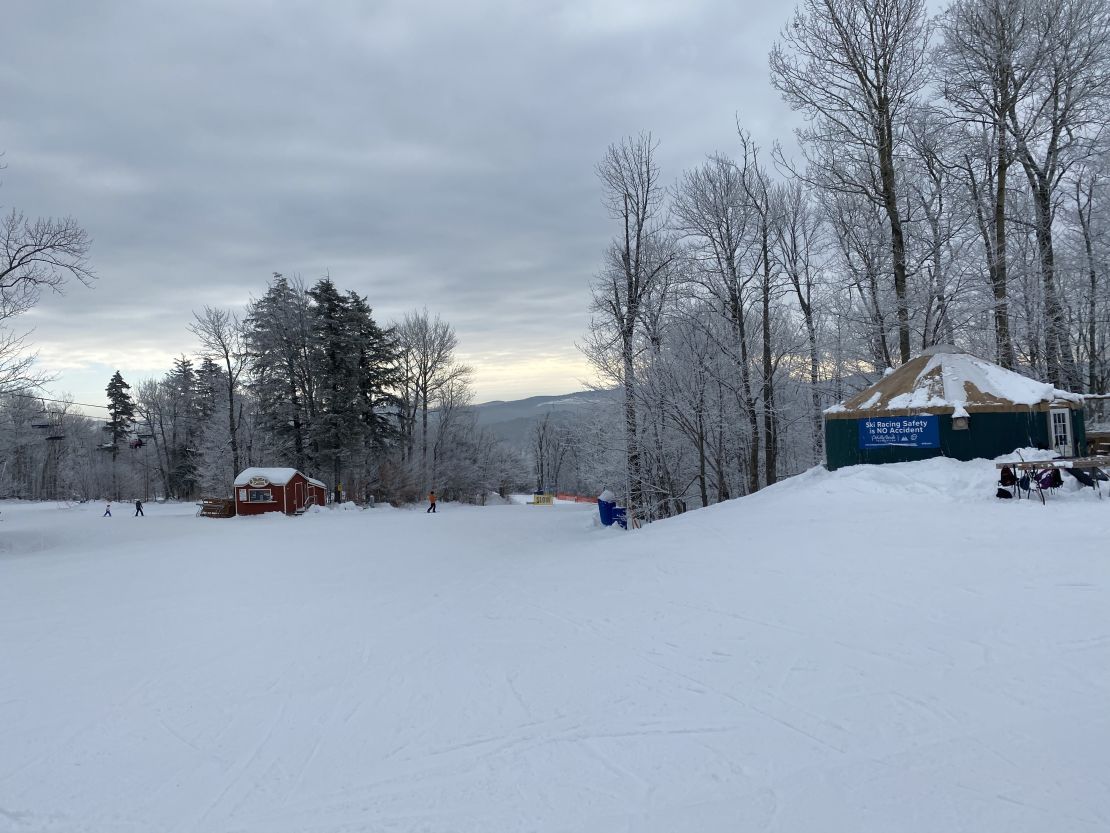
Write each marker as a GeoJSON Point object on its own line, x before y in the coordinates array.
{"type": "Point", "coordinates": [260, 496]}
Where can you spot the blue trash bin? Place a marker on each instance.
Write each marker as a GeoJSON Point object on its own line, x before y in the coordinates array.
{"type": "Point", "coordinates": [620, 517]}
{"type": "Point", "coordinates": [605, 509]}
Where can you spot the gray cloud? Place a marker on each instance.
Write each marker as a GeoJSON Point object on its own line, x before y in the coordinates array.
{"type": "Point", "coordinates": [430, 153]}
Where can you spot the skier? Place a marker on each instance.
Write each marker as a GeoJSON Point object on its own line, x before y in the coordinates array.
{"type": "Point", "coordinates": [431, 502]}
{"type": "Point", "coordinates": [139, 509]}
{"type": "Point", "coordinates": [107, 510]}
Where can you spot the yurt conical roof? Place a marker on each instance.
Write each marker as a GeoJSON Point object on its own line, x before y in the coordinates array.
{"type": "Point", "coordinates": [946, 380]}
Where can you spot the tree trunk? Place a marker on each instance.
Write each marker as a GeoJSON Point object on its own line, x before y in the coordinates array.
{"type": "Point", "coordinates": [635, 480]}
{"type": "Point", "coordinates": [1092, 291]}
{"type": "Point", "coordinates": [897, 238]}
{"type": "Point", "coordinates": [998, 266]}
{"type": "Point", "coordinates": [723, 492]}
{"type": "Point", "coordinates": [232, 427]}
{"type": "Point", "coordinates": [814, 378]}
{"type": "Point", "coordinates": [747, 405]}
{"type": "Point", "coordinates": [703, 487]}
{"type": "Point", "coordinates": [1060, 364]}
{"type": "Point", "coordinates": [770, 419]}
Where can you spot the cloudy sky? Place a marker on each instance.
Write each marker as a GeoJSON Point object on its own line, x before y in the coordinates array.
{"type": "Point", "coordinates": [424, 152]}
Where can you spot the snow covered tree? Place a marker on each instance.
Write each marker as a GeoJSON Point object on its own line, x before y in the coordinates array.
{"type": "Point", "coordinates": [121, 417]}
{"type": "Point", "coordinates": [221, 337]}
{"type": "Point", "coordinates": [35, 255]}
{"type": "Point", "coordinates": [427, 367]}
{"type": "Point", "coordinates": [856, 69]}
{"type": "Point", "coordinates": [638, 258]}
{"type": "Point", "coordinates": [353, 366]}
{"type": "Point", "coordinates": [278, 338]}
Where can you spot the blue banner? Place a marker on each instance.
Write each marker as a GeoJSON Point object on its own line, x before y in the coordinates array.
{"type": "Point", "coordinates": [907, 432]}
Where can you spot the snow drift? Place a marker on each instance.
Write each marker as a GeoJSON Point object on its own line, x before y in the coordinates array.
{"type": "Point", "coordinates": [881, 648]}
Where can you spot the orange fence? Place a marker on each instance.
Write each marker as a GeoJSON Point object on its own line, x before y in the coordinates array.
{"type": "Point", "coordinates": [576, 498]}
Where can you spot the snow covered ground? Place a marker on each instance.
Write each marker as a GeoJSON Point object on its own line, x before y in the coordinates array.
{"type": "Point", "coordinates": [878, 649]}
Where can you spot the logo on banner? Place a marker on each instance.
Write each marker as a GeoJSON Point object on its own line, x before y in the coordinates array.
{"type": "Point", "coordinates": [259, 481]}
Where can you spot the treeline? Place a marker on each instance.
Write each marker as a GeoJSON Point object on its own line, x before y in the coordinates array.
{"type": "Point", "coordinates": [952, 189]}
{"type": "Point", "coordinates": [304, 377]}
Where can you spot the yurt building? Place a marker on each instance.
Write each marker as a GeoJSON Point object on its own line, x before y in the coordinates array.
{"type": "Point", "coordinates": [948, 403]}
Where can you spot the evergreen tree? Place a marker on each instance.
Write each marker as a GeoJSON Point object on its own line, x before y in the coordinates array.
{"type": "Point", "coordinates": [121, 410]}
{"type": "Point", "coordinates": [121, 416]}
{"type": "Point", "coordinates": [339, 427]}
{"type": "Point", "coordinates": [184, 413]}
{"type": "Point", "coordinates": [277, 341]}
{"type": "Point", "coordinates": [379, 375]}
{"type": "Point", "coordinates": [209, 384]}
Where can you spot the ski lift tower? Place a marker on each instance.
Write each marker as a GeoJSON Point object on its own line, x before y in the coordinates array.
{"type": "Point", "coordinates": [51, 423]}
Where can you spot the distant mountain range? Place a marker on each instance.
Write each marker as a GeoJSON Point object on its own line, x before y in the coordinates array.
{"type": "Point", "coordinates": [512, 421]}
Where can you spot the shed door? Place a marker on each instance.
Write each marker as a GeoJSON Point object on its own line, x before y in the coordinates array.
{"type": "Point", "coordinates": [299, 495]}
{"type": "Point", "coordinates": [1060, 426]}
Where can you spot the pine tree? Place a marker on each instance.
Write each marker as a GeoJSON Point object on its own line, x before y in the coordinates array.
{"type": "Point", "coordinates": [121, 416]}
{"type": "Point", "coordinates": [209, 384]}
{"type": "Point", "coordinates": [276, 336]}
{"type": "Point", "coordinates": [121, 409]}
{"type": "Point", "coordinates": [379, 375]}
{"type": "Point", "coordinates": [338, 427]}
{"type": "Point", "coordinates": [181, 386]}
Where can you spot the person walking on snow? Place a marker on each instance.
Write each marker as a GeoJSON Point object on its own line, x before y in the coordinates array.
{"type": "Point", "coordinates": [431, 502]}
{"type": "Point", "coordinates": [107, 510]}
{"type": "Point", "coordinates": [139, 509]}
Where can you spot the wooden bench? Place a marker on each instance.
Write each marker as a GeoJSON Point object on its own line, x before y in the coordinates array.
{"type": "Point", "coordinates": [216, 507]}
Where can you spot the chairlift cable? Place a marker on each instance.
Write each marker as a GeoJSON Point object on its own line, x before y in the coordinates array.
{"type": "Point", "coordinates": [61, 401]}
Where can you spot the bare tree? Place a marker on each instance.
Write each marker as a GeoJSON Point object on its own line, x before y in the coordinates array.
{"type": "Point", "coordinates": [639, 256]}
{"type": "Point", "coordinates": [221, 337]}
{"type": "Point", "coordinates": [856, 68]}
{"type": "Point", "coordinates": [799, 239]}
{"type": "Point", "coordinates": [1056, 126]}
{"type": "Point", "coordinates": [428, 368]}
{"type": "Point", "coordinates": [713, 215]}
{"type": "Point", "coordinates": [766, 202]}
{"type": "Point", "coordinates": [35, 255]}
{"type": "Point", "coordinates": [987, 59]}
{"type": "Point", "coordinates": [1089, 182]}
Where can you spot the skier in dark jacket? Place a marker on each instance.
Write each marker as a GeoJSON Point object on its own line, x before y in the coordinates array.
{"type": "Point", "coordinates": [139, 509]}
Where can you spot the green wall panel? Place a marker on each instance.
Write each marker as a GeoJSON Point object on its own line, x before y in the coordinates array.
{"type": "Point", "coordinates": [988, 435]}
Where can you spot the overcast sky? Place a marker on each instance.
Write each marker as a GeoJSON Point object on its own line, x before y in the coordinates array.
{"type": "Point", "coordinates": [422, 153]}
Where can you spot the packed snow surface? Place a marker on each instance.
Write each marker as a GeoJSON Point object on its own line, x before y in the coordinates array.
{"type": "Point", "coordinates": [877, 649]}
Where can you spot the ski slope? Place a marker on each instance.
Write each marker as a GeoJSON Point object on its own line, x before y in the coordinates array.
{"type": "Point", "coordinates": [877, 649]}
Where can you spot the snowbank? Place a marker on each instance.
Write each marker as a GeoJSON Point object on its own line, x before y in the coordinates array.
{"type": "Point", "coordinates": [873, 649]}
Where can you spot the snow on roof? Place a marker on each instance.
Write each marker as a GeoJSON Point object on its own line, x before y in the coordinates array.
{"type": "Point", "coordinates": [278, 477]}
{"type": "Point", "coordinates": [945, 379]}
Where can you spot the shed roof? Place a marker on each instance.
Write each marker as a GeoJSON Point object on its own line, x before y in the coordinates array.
{"type": "Point", "coordinates": [946, 380]}
{"type": "Point", "coordinates": [278, 476]}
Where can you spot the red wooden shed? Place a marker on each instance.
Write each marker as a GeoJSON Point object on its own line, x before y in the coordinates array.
{"type": "Point", "coordinates": [259, 490]}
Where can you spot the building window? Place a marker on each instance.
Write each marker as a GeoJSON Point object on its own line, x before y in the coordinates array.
{"type": "Point", "coordinates": [260, 496]}
{"type": "Point", "coordinates": [1061, 431]}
